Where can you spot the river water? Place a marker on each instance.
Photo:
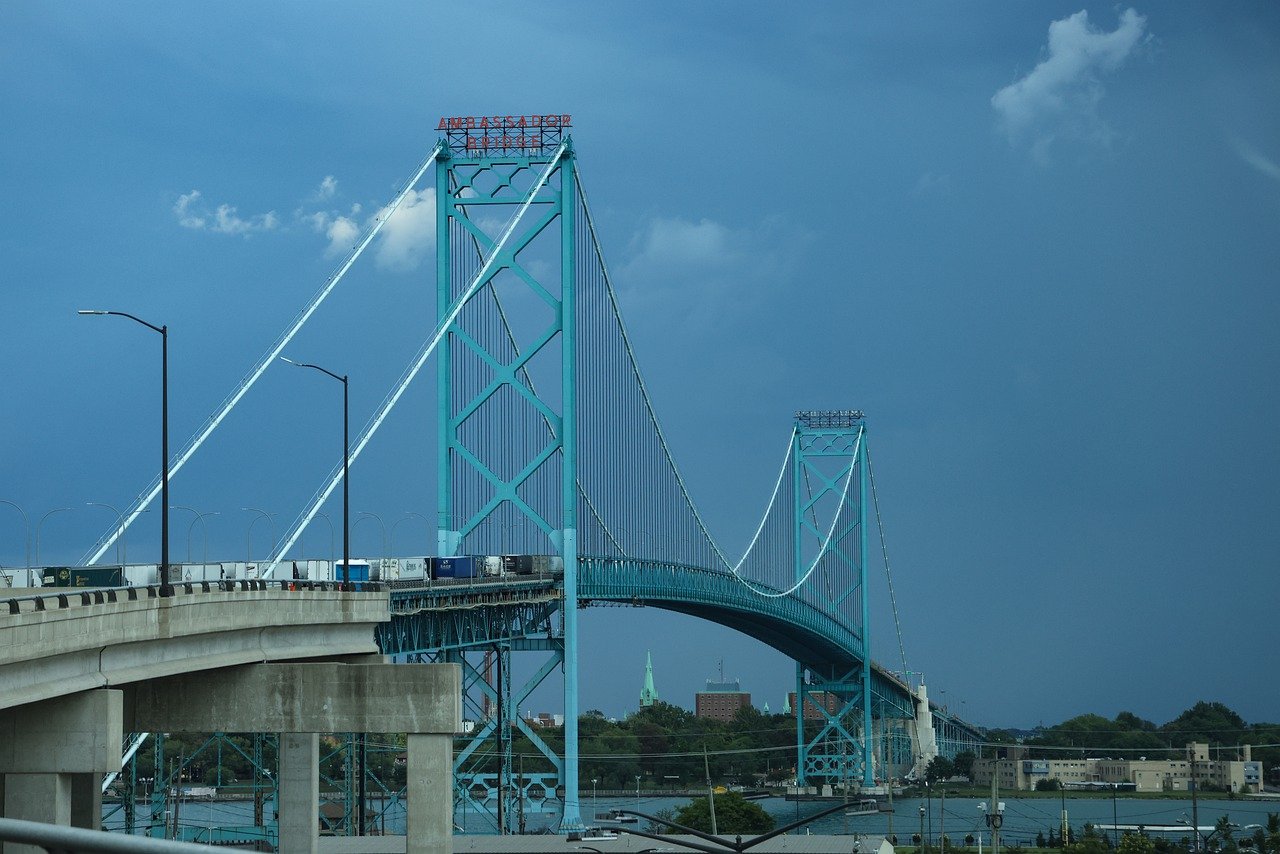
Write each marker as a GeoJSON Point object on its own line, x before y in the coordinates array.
{"type": "Point", "coordinates": [1024, 817]}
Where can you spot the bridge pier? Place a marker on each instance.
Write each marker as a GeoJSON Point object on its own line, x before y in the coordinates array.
{"type": "Point", "coordinates": [52, 757]}
{"type": "Point", "coordinates": [299, 778]}
{"type": "Point", "coordinates": [299, 701]}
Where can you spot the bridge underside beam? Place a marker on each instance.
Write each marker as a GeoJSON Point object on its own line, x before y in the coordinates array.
{"type": "Point", "coordinates": [422, 700]}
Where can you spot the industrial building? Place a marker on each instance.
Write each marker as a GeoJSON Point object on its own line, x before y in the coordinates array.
{"type": "Point", "coordinates": [1016, 771]}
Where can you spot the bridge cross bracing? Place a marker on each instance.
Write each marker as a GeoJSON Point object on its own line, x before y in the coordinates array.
{"type": "Point", "coordinates": [549, 444]}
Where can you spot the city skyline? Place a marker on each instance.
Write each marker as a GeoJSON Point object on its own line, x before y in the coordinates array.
{"type": "Point", "coordinates": [1036, 244]}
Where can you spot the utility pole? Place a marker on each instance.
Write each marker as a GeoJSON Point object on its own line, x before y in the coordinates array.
{"type": "Point", "coordinates": [1195, 804]}
{"type": "Point", "coordinates": [1066, 828]}
{"type": "Point", "coordinates": [942, 821]}
{"type": "Point", "coordinates": [995, 815]}
{"type": "Point", "coordinates": [711, 793]}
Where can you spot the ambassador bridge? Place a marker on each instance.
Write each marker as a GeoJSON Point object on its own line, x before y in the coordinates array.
{"type": "Point", "coordinates": [549, 444]}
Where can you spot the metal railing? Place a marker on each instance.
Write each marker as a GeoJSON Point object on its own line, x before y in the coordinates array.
{"type": "Point", "coordinates": [66, 597]}
{"type": "Point", "coordinates": [58, 839]}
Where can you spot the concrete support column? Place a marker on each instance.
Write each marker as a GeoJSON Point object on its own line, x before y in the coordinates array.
{"type": "Point", "coordinates": [36, 797]}
{"type": "Point", "coordinates": [86, 801]}
{"type": "Point", "coordinates": [299, 793]}
{"type": "Point", "coordinates": [430, 794]}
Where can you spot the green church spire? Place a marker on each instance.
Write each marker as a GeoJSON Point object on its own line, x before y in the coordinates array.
{"type": "Point", "coordinates": [648, 694]}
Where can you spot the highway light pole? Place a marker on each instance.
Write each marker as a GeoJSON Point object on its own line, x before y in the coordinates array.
{"type": "Point", "coordinates": [248, 535]}
{"type": "Point", "coordinates": [381, 527]}
{"type": "Point", "coordinates": [166, 589]}
{"type": "Point", "coordinates": [40, 524]}
{"type": "Point", "coordinates": [346, 458]}
{"type": "Point", "coordinates": [122, 547]}
{"type": "Point", "coordinates": [26, 528]}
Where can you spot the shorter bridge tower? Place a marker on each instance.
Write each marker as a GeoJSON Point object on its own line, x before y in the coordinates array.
{"type": "Point", "coordinates": [833, 709]}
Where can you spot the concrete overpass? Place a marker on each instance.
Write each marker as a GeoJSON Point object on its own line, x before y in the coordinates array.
{"type": "Point", "coordinates": [78, 668]}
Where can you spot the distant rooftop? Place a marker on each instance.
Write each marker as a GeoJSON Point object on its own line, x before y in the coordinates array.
{"type": "Point", "coordinates": [725, 687]}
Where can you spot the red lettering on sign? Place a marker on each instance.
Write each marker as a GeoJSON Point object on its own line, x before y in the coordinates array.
{"type": "Point", "coordinates": [471, 122]}
{"type": "Point", "coordinates": [566, 120]}
{"type": "Point", "coordinates": [443, 125]}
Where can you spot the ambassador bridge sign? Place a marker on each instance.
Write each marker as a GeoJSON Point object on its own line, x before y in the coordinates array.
{"type": "Point", "coordinates": [504, 134]}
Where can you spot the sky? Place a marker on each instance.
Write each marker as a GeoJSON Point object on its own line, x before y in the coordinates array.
{"type": "Point", "coordinates": [1037, 243]}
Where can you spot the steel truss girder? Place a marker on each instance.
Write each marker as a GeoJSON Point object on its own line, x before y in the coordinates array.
{"type": "Point", "coordinates": [461, 628]}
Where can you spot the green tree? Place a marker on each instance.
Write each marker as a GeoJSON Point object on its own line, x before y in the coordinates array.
{"type": "Point", "coordinates": [1133, 843]}
{"type": "Point", "coordinates": [939, 768]}
{"type": "Point", "coordinates": [734, 814]}
{"type": "Point", "coordinates": [964, 763]}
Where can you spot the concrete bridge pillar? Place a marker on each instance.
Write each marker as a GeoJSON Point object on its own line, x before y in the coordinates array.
{"type": "Point", "coordinates": [301, 700]}
{"type": "Point", "coordinates": [430, 791]}
{"type": "Point", "coordinates": [299, 780]}
{"type": "Point", "coordinates": [52, 758]}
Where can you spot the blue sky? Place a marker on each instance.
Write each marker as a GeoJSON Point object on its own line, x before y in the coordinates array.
{"type": "Point", "coordinates": [1036, 243]}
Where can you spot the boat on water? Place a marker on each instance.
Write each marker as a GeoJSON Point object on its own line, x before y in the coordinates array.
{"type": "Point", "coordinates": [866, 806]}
{"type": "Point", "coordinates": [616, 817]}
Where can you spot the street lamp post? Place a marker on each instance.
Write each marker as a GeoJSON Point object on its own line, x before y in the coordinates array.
{"type": "Point", "coordinates": [346, 456]}
{"type": "Point", "coordinates": [122, 551]}
{"type": "Point", "coordinates": [396, 524]}
{"type": "Point", "coordinates": [199, 517]}
{"type": "Point", "coordinates": [330, 523]}
{"type": "Point", "coordinates": [248, 535]}
{"type": "Point", "coordinates": [165, 588]}
{"type": "Point", "coordinates": [26, 528]}
{"type": "Point", "coordinates": [921, 828]}
{"type": "Point", "coordinates": [41, 523]}
{"type": "Point", "coordinates": [382, 527]}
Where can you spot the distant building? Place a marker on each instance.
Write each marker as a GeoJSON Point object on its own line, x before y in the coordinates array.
{"type": "Point", "coordinates": [648, 694]}
{"type": "Point", "coordinates": [721, 701]}
{"type": "Point", "coordinates": [545, 720]}
{"type": "Point", "coordinates": [811, 712]}
{"type": "Point", "coordinates": [1014, 771]}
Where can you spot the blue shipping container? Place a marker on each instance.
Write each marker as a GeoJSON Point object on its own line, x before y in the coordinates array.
{"type": "Point", "coordinates": [359, 571]}
{"type": "Point", "coordinates": [455, 567]}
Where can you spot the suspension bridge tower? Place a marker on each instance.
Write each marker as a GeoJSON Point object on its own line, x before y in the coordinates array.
{"type": "Point", "coordinates": [505, 191]}
{"type": "Point", "coordinates": [834, 741]}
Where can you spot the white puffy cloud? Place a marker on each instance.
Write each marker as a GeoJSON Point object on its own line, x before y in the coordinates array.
{"type": "Point", "coordinates": [328, 187]}
{"type": "Point", "coordinates": [705, 267]}
{"type": "Point", "coordinates": [1257, 160]}
{"type": "Point", "coordinates": [341, 231]}
{"type": "Point", "coordinates": [410, 233]}
{"type": "Point", "coordinates": [1060, 96]}
{"type": "Point", "coordinates": [192, 212]}
{"type": "Point", "coordinates": [182, 210]}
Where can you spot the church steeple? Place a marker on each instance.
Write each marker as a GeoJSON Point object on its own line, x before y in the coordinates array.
{"type": "Point", "coordinates": [648, 694]}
